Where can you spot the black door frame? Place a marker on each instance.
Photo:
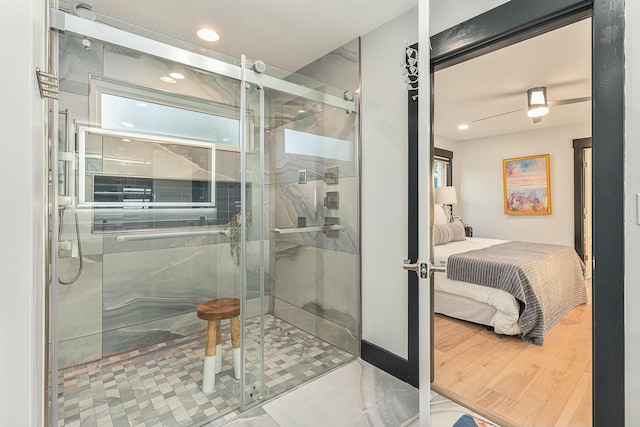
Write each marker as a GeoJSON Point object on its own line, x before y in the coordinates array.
{"type": "Point", "coordinates": [510, 23]}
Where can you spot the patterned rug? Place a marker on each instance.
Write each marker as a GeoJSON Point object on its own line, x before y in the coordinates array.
{"type": "Point", "coordinates": [471, 421]}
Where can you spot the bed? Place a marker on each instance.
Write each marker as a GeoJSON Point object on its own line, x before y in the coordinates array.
{"type": "Point", "coordinates": [542, 288]}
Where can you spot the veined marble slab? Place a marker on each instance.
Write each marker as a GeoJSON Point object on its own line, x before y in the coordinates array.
{"type": "Point", "coordinates": [327, 330]}
{"type": "Point", "coordinates": [307, 200]}
{"type": "Point", "coordinates": [307, 276]}
{"type": "Point", "coordinates": [79, 310]}
{"type": "Point", "coordinates": [355, 395]}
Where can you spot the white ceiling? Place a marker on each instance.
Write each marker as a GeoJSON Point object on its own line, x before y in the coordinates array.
{"type": "Point", "coordinates": [288, 34]}
{"type": "Point", "coordinates": [498, 82]}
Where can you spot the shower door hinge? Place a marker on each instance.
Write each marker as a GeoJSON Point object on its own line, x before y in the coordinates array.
{"type": "Point", "coordinates": [47, 84]}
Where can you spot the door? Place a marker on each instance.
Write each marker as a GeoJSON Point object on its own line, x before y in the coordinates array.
{"type": "Point", "coordinates": [149, 179]}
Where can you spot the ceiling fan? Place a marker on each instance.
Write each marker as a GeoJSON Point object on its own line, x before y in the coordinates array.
{"type": "Point", "coordinates": [538, 104]}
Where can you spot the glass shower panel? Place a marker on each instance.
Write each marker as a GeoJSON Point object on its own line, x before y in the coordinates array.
{"type": "Point", "coordinates": [301, 248]}
{"type": "Point", "coordinates": [316, 223]}
{"type": "Point", "coordinates": [147, 212]}
{"type": "Point", "coordinates": [311, 230]}
{"type": "Point", "coordinates": [255, 250]}
{"type": "Point", "coordinates": [176, 192]}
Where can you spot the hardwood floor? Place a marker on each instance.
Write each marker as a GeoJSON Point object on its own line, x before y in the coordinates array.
{"type": "Point", "coordinates": [514, 383]}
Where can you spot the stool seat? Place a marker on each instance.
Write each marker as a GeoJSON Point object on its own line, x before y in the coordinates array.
{"type": "Point", "coordinates": [213, 311]}
{"type": "Point", "coordinates": [219, 309]}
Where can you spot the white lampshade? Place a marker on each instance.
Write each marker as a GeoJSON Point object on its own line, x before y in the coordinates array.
{"type": "Point", "coordinates": [445, 196]}
{"type": "Point", "coordinates": [537, 102]}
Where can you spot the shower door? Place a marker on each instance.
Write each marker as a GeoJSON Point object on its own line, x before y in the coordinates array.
{"type": "Point", "coordinates": [150, 188]}
{"type": "Point", "coordinates": [302, 243]}
{"type": "Point", "coordinates": [173, 166]}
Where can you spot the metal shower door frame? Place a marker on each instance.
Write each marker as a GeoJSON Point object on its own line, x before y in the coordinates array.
{"type": "Point", "coordinates": [60, 21]}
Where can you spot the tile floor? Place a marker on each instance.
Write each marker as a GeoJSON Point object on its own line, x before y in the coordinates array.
{"type": "Point", "coordinates": [160, 385]}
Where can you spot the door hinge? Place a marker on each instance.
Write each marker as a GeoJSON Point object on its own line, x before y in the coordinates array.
{"type": "Point", "coordinates": [47, 84]}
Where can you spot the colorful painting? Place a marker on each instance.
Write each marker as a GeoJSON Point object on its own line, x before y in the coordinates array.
{"type": "Point", "coordinates": [527, 189]}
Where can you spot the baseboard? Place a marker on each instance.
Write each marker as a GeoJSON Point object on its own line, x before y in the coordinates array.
{"type": "Point", "coordinates": [385, 360]}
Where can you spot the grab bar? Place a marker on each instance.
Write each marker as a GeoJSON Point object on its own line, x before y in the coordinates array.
{"type": "Point", "coordinates": [154, 236]}
{"type": "Point", "coordinates": [307, 229]}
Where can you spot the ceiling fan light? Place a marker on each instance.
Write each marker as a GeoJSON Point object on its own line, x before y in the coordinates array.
{"type": "Point", "coordinates": [537, 111]}
{"type": "Point", "coordinates": [537, 102]}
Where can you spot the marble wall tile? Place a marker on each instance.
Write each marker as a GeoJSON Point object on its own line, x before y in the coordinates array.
{"type": "Point", "coordinates": [339, 68]}
{"type": "Point", "coordinates": [320, 281]}
{"type": "Point", "coordinates": [326, 330]}
{"type": "Point", "coordinates": [79, 310]}
{"type": "Point", "coordinates": [79, 350]}
{"type": "Point", "coordinates": [137, 336]}
{"type": "Point", "coordinates": [149, 285]}
{"type": "Point", "coordinates": [295, 200]}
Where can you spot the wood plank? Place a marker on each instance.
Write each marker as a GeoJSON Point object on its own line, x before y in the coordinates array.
{"type": "Point", "coordinates": [515, 383]}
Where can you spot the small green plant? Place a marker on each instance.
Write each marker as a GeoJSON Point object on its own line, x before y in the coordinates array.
{"type": "Point", "coordinates": [234, 225]}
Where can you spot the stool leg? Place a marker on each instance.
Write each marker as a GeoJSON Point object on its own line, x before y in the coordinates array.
{"type": "Point", "coordinates": [235, 344]}
{"type": "Point", "coordinates": [219, 349]}
{"type": "Point", "coordinates": [209, 371]}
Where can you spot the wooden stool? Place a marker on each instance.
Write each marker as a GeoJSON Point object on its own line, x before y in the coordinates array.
{"type": "Point", "coordinates": [213, 311]}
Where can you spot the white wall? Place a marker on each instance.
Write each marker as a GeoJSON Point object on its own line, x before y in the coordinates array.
{"type": "Point", "coordinates": [480, 187]}
{"type": "Point", "coordinates": [384, 184]}
{"type": "Point", "coordinates": [21, 217]}
{"type": "Point", "coordinates": [632, 229]}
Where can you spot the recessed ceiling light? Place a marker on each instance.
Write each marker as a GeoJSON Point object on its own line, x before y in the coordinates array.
{"type": "Point", "coordinates": [463, 126]}
{"type": "Point", "coordinates": [302, 111]}
{"type": "Point", "coordinates": [176, 75]}
{"type": "Point", "coordinates": [167, 79]}
{"type": "Point", "coordinates": [208, 34]}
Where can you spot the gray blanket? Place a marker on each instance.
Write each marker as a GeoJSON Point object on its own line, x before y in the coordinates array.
{"type": "Point", "coordinates": [547, 280]}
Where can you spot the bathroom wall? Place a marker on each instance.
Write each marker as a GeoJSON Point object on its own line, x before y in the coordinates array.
{"type": "Point", "coordinates": [132, 294]}
{"type": "Point", "coordinates": [317, 283]}
{"type": "Point", "coordinates": [384, 183]}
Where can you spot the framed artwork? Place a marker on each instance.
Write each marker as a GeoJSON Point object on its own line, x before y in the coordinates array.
{"type": "Point", "coordinates": [527, 188]}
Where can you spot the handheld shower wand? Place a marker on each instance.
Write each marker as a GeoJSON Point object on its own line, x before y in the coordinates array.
{"type": "Point", "coordinates": [80, 257]}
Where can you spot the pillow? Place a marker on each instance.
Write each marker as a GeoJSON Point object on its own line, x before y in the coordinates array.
{"type": "Point", "coordinates": [439, 215]}
{"type": "Point", "coordinates": [449, 232]}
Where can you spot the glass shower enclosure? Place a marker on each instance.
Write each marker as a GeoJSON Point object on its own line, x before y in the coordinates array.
{"type": "Point", "coordinates": [184, 176]}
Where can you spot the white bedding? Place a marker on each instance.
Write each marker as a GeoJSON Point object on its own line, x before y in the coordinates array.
{"type": "Point", "coordinates": [474, 303]}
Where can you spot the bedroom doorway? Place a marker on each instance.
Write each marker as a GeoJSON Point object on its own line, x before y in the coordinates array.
{"type": "Point", "coordinates": [518, 20]}
{"type": "Point", "coordinates": [488, 94]}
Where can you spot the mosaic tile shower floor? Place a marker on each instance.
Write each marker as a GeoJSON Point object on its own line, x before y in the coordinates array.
{"type": "Point", "coordinates": [160, 385]}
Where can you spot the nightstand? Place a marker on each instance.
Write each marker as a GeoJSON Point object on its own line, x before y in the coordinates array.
{"type": "Point", "coordinates": [468, 231]}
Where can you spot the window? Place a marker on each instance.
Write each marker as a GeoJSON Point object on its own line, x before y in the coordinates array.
{"type": "Point", "coordinates": [150, 160]}
{"type": "Point", "coordinates": [442, 168]}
